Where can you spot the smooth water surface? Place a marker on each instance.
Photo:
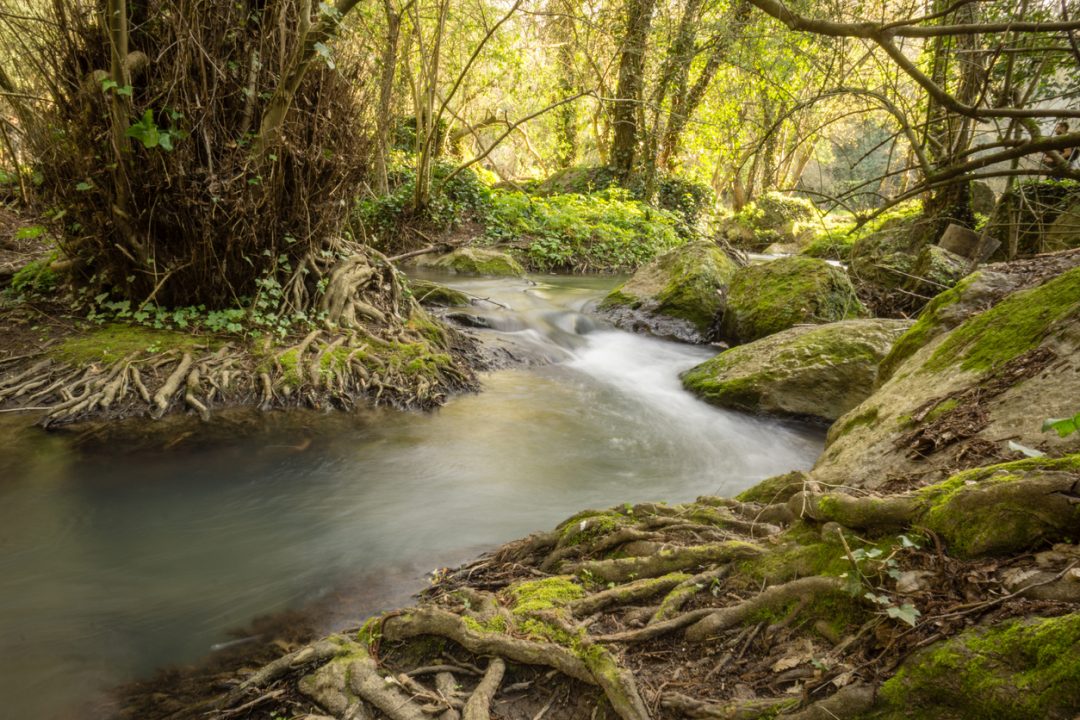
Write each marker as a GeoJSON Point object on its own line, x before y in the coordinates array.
{"type": "Point", "coordinates": [112, 564]}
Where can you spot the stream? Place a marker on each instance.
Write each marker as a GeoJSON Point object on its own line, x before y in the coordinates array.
{"type": "Point", "coordinates": [114, 563]}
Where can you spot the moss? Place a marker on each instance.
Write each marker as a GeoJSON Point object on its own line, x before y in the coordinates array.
{"type": "Point", "coordinates": [926, 328]}
{"type": "Point", "coordinates": [430, 293]}
{"type": "Point", "coordinates": [588, 525]}
{"type": "Point", "coordinates": [776, 489]}
{"type": "Point", "coordinates": [538, 595]}
{"type": "Point", "coordinates": [740, 393]}
{"type": "Point", "coordinates": [1016, 670]}
{"type": "Point", "coordinates": [942, 408]}
{"type": "Point", "coordinates": [111, 343]}
{"type": "Point", "coordinates": [863, 419]}
{"type": "Point", "coordinates": [770, 297]}
{"type": "Point", "coordinates": [1014, 326]}
{"type": "Point", "coordinates": [972, 528]}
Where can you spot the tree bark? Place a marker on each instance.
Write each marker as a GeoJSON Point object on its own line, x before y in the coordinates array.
{"type": "Point", "coordinates": [628, 91]}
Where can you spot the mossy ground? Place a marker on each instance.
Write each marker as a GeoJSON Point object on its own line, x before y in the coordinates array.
{"type": "Point", "coordinates": [114, 342]}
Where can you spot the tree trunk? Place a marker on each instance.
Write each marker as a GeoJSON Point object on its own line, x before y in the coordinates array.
{"type": "Point", "coordinates": [628, 92]}
{"type": "Point", "coordinates": [386, 94]}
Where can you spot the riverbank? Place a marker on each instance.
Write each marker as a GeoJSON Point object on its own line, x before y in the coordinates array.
{"type": "Point", "coordinates": [927, 564]}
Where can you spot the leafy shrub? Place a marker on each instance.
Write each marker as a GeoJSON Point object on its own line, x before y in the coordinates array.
{"type": "Point", "coordinates": [464, 197]}
{"type": "Point", "coordinates": [838, 236]}
{"type": "Point", "coordinates": [35, 278]}
{"type": "Point", "coordinates": [601, 231]}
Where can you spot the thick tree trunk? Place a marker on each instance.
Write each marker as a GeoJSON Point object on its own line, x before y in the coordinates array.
{"type": "Point", "coordinates": [631, 81]}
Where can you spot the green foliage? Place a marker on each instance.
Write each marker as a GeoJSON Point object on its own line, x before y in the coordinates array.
{"type": "Point", "coordinates": [147, 132]}
{"type": "Point", "coordinates": [35, 278]}
{"type": "Point", "coordinates": [1064, 427]}
{"type": "Point", "coordinates": [464, 197]}
{"type": "Point", "coordinates": [603, 231]}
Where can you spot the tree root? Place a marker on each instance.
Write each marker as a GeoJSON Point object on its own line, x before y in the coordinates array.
{"type": "Point", "coordinates": [666, 561]}
{"type": "Point", "coordinates": [625, 594]}
{"type": "Point", "coordinates": [478, 706]}
{"type": "Point", "coordinates": [769, 599]}
{"type": "Point", "coordinates": [737, 710]}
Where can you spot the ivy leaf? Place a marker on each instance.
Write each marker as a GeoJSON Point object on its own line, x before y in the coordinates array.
{"type": "Point", "coordinates": [1062, 426]}
{"type": "Point", "coordinates": [324, 53]}
{"type": "Point", "coordinates": [905, 613]}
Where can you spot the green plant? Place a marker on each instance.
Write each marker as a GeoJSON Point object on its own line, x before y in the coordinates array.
{"type": "Point", "coordinates": [606, 230]}
{"type": "Point", "coordinates": [1062, 426]}
{"type": "Point", "coordinates": [35, 278]}
{"type": "Point", "coordinates": [869, 568]}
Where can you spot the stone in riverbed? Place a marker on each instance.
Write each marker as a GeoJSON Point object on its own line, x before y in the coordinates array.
{"type": "Point", "coordinates": [773, 296]}
{"type": "Point", "coordinates": [430, 293]}
{"type": "Point", "coordinates": [809, 371]}
{"type": "Point", "coordinates": [475, 261]}
{"type": "Point", "coordinates": [678, 295]}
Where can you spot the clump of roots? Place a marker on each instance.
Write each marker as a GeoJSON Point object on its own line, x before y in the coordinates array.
{"type": "Point", "coordinates": [372, 343]}
{"type": "Point", "coordinates": [702, 610]}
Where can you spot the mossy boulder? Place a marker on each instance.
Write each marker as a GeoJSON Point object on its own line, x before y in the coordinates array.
{"type": "Point", "coordinates": [766, 298]}
{"type": "Point", "coordinates": [957, 386]}
{"type": "Point", "coordinates": [434, 294]}
{"type": "Point", "coordinates": [936, 269]}
{"type": "Point", "coordinates": [811, 371]}
{"type": "Point", "coordinates": [772, 218]}
{"type": "Point", "coordinates": [475, 261]}
{"type": "Point", "coordinates": [1015, 670]}
{"type": "Point", "coordinates": [678, 295]}
{"type": "Point", "coordinates": [1005, 509]}
{"type": "Point", "coordinates": [886, 258]}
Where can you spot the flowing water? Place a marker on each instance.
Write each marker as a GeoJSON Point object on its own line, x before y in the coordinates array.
{"type": "Point", "coordinates": [113, 563]}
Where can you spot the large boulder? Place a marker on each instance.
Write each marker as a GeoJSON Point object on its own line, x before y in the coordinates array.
{"type": "Point", "coordinates": [958, 387]}
{"type": "Point", "coordinates": [810, 371]}
{"type": "Point", "coordinates": [769, 297]}
{"type": "Point", "coordinates": [475, 261]}
{"type": "Point", "coordinates": [677, 295]}
{"type": "Point", "coordinates": [936, 269]}
{"type": "Point", "coordinates": [886, 257]}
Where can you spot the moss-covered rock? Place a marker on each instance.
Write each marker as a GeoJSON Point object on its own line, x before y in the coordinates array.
{"type": "Point", "coordinates": [886, 257]}
{"type": "Point", "coordinates": [957, 385]}
{"type": "Point", "coordinates": [434, 294]}
{"type": "Point", "coordinates": [677, 295]}
{"type": "Point", "coordinates": [476, 261]}
{"type": "Point", "coordinates": [1015, 670]}
{"type": "Point", "coordinates": [770, 297]}
{"type": "Point", "coordinates": [1007, 508]}
{"type": "Point", "coordinates": [776, 489]}
{"type": "Point", "coordinates": [935, 270]}
{"type": "Point", "coordinates": [809, 371]}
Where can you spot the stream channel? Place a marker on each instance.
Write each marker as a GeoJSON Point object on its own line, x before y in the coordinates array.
{"type": "Point", "coordinates": [113, 563]}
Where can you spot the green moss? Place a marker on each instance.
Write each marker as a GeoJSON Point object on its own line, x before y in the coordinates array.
{"type": "Point", "coordinates": [1002, 526]}
{"type": "Point", "coordinates": [741, 393]}
{"type": "Point", "coordinates": [1014, 326]}
{"type": "Point", "coordinates": [475, 261]}
{"type": "Point", "coordinates": [1017, 670]}
{"type": "Point", "coordinates": [430, 293]}
{"type": "Point", "coordinates": [776, 489]}
{"type": "Point", "coordinates": [767, 298]}
{"type": "Point", "coordinates": [538, 595]}
{"type": "Point", "coordinates": [863, 419]}
{"type": "Point", "coordinates": [111, 343]}
{"type": "Point", "coordinates": [588, 525]}
{"type": "Point", "coordinates": [942, 408]}
{"type": "Point", "coordinates": [926, 328]}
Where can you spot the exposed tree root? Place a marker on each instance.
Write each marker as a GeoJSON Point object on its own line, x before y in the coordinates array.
{"type": "Point", "coordinates": [804, 623]}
